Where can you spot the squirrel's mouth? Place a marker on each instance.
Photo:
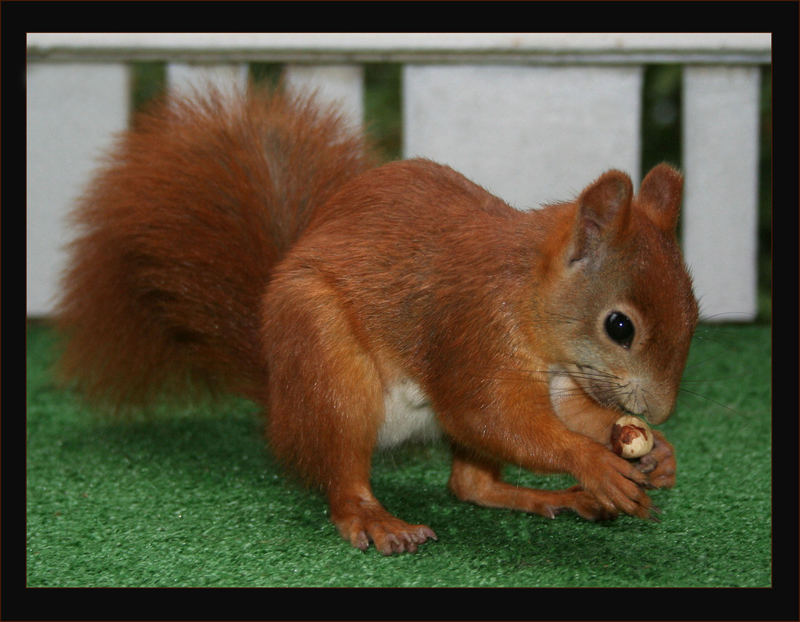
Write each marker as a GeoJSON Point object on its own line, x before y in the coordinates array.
{"type": "Point", "coordinates": [630, 395]}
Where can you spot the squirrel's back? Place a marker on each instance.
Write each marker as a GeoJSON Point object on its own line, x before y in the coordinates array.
{"type": "Point", "coordinates": [178, 232]}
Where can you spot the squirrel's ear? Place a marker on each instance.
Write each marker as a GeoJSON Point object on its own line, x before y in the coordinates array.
{"type": "Point", "coordinates": [603, 212]}
{"type": "Point", "coordinates": [660, 196]}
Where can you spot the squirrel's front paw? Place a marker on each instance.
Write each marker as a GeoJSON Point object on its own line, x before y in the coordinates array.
{"type": "Point", "coordinates": [659, 465]}
{"type": "Point", "coordinates": [616, 484]}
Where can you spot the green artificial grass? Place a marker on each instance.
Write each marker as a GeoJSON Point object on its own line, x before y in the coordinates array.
{"type": "Point", "coordinates": [193, 498]}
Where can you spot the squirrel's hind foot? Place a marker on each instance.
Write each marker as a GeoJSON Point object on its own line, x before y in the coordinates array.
{"type": "Point", "coordinates": [361, 520]}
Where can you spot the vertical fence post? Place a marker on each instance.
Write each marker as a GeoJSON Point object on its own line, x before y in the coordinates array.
{"type": "Point", "coordinates": [185, 76]}
{"type": "Point", "coordinates": [530, 134]}
{"type": "Point", "coordinates": [340, 84]}
{"type": "Point", "coordinates": [720, 160]}
{"type": "Point", "coordinates": [73, 112]}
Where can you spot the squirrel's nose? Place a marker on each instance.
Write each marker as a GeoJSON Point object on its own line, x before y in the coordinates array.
{"type": "Point", "coordinates": [658, 414]}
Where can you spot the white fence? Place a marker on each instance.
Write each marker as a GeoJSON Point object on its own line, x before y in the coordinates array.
{"type": "Point", "coordinates": [532, 117]}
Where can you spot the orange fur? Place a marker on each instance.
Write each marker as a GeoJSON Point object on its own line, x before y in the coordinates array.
{"type": "Point", "coordinates": [252, 246]}
{"type": "Point", "coordinates": [178, 234]}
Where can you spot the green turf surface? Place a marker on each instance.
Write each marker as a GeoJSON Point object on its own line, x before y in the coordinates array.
{"type": "Point", "coordinates": [194, 499]}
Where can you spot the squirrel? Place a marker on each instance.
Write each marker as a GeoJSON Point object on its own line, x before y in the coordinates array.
{"type": "Point", "coordinates": [252, 243]}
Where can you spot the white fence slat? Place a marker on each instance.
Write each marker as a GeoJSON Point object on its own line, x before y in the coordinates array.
{"type": "Point", "coordinates": [531, 135]}
{"type": "Point", "coordinates": [418, 47]}
{"type": "Point", "coordinates": [339, 84]}
{"type": "Point", "coordinates": [187, 76]}
{"type": "Point", "coordinates": [720, 162]}
{"type": "Point", "coordinates": [73, 112]}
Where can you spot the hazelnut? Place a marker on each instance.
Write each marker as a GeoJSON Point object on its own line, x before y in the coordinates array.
{"type": "Point", "coordinates": [631, 437]}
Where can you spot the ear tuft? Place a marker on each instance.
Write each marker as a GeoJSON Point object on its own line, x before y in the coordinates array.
{"type": "Point", "coordinates": [660, 196]}
{"type": "Point", "coordinates": [603, 212]}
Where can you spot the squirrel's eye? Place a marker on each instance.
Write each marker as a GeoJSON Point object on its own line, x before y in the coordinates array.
{"type": "Point", "coordinates": [620, 328]}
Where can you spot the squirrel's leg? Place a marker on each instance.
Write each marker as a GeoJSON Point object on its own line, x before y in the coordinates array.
{"type": "Point", "coordinates": [476, 479]}
{"type": "Point", "coordinates": [522, 429]}
{"type": "Point", "coordinates": [325, 398]}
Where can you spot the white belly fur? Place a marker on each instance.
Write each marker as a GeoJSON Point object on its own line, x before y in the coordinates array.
{"type": "Point", "coordinates": [407, 416]}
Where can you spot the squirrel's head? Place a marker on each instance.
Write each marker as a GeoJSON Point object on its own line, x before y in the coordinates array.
{"type": "Point", "coordinates": [619, 283]}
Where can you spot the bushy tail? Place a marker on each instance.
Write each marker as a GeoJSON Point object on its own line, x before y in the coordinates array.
{"type": "Point", "coordinates": [178, 233]}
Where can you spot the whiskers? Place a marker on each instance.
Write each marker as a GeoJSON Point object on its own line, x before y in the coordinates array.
{"type": "Point", "coordinates": [612, 391]}
{"type": "Point", "coordinates": [697, 394]}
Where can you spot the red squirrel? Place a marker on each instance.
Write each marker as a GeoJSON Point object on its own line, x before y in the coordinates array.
{"type": "Point", "coordinates": [251, 243]}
